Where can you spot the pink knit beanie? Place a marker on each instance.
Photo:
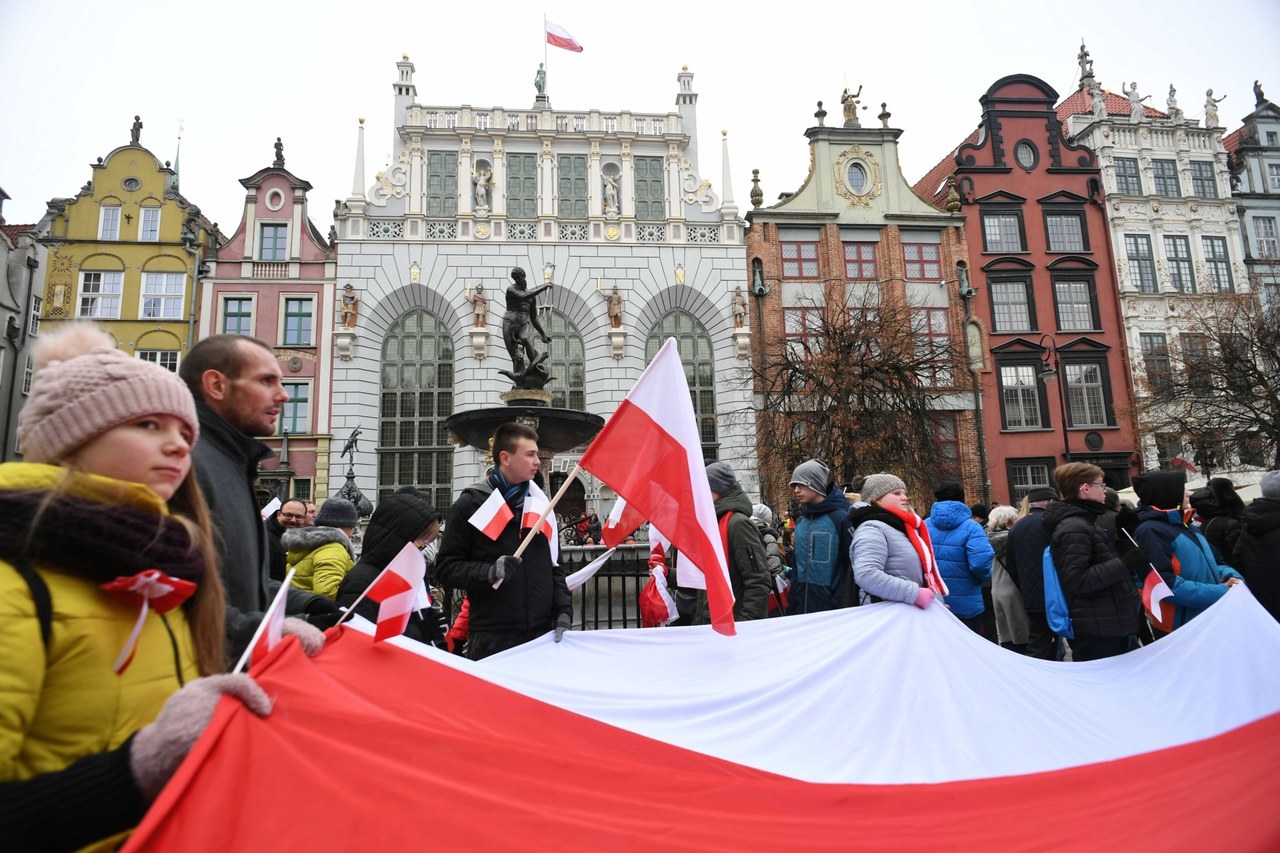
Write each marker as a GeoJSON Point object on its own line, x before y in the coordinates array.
{"type": "Point", "coordinates": [84, 386]}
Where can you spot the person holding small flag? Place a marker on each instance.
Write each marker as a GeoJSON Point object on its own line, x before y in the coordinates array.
{"type": "Point", "coordinates": [513, 599]}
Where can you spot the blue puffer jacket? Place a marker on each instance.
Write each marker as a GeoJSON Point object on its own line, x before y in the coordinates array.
{"type": "Point", "coordinates": [964, 555]}
{"type": "Point", "coordinates": [1184, 560]}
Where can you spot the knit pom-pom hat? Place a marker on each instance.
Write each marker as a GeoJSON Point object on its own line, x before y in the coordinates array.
{"type": "Point", "coordinates": [84, 386]}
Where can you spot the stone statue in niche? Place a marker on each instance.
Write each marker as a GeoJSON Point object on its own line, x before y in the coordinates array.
{"type": "Point", "coordinates": [483, 179]}
{"type": "Point", "coordinates": [739, 309]}
{"type": "Point", "coordinates": [350, 307]}
{"type": "Point", "coordinates": [479, 306]}
{"type": "Point", "coordinates": [1136, 110]}
{"type": "Point", "coordinates": [528, 366]}
{"type": "Point", "coordinates": [610, 194]}
{"type": "Point", "coordinates": [615, 307]}
{"type": "Point", "coordinates": [1211, 108]}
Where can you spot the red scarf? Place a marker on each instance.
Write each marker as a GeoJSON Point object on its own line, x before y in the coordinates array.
{"type": "Point", "coordinates": [918, 535]}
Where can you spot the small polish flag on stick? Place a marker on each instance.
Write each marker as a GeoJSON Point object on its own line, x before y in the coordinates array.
{"type": "Point", "coordinates": [558, 36]}
{"type": "Point", "coordinates": [492, 516]}
{"type": "Point", "coordinates": [270, 630]}
{"type": "Point", "coordinates": [1154, 591]}
{"type": "Point", "coordinates": [395, 591]}
{"type": "Point", "coordinates": [539, 518]}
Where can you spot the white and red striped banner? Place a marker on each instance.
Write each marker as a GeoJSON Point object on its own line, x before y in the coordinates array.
{"type": "Point", "coordinates": [558, 36]}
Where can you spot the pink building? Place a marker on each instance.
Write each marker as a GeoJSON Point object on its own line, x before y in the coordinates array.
{"type": "Point", "coordinates": [274, 280]}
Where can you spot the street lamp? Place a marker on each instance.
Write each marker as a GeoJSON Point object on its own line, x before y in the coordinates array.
{"type": "Point", "coordinates": [1051, 366]}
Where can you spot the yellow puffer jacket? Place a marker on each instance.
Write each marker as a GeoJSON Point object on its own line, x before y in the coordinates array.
{"type": "Point", "coordinates": [65, 703]}
{"type": "Point", "coordinates": [320, 556]}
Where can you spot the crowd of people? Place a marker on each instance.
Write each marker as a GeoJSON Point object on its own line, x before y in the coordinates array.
{"type": "Point", "coordinates": [135, 565]}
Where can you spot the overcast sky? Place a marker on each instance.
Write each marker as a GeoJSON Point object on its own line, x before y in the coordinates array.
{"type": "Point", "coordinates": [236, 74]}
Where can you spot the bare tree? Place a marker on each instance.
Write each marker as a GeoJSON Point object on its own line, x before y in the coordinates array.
{"type": "Point", "coordinates": [857, 387]}
{"type": "Point", "coordinates": [1221, 393]}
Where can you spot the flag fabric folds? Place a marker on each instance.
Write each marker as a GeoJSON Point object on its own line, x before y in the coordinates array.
{"type": "Point", "coordinates": [558, 36]}
{"type": "Point", "coordinates": [650, 453]}
{"type": "Point", "coordinates": [535, 502]}
{"type": "Point", "coordinates": [492, 515]}
{"type": "Point", "coordinates": [621, 523]}
{"type": "Point", "coordinates": [395, 591]}
{"type": "Point", "coordinates": [1046, 757]}
{"type": "Point", "coordinates": [1154, 591]}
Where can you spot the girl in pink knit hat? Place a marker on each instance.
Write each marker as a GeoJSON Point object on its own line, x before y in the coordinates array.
{"type": "Point", "coordinates": [110, 600]}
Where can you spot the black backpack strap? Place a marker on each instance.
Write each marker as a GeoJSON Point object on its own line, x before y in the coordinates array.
{"type": "Point", "coordinates": [40, 596]}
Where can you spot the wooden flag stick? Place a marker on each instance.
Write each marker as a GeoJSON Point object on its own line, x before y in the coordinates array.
{"type": "Point", "coordinates": [573, 475]}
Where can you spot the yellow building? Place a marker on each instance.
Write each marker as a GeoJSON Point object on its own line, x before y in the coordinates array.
{"type": "Point", "coordinates": [126, 252]}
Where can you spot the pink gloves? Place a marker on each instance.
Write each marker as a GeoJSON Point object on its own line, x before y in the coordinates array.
{"type": "Point", "coordinates": [311, 637]}
{"type": "Point", "coordinates": [924, 597]}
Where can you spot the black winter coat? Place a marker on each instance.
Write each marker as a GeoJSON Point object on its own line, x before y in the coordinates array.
{"type": "Point", "coordinates": [531, 597]}
{"type": "Point", "coordinates": [1256, 553]}
{"type": "Point", "coordinates": [1024, 558]}
{"type": "Point", "coordinates": [1098, 586]}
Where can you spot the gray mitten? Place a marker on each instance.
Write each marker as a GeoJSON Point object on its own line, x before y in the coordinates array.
{"type": "Point", "coordinates": [501, 569]}
{"type": "Point", "coordinates": [311, 637]}
{"type": "Point", "coordinates": [159, 748]}
{"type": "Point", "coordinates": [563, 622]}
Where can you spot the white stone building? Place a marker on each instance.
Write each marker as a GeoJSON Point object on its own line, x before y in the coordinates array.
{"type": "Point", "coordinates": [588, 199]}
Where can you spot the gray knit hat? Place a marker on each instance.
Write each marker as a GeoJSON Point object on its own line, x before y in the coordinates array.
{"type": "Point", "coordinates": [84, 386]}
{"type": "Point", "coordinates": [720, 477]}
{"type": "Point", "coordinates": [813, 474]}
{"type": "Point", "coordinates": [1270, 484]}
{"type": "Point", "coordinates": [879, 485]}
{"type": "Point", "coordinates": [337, 512]}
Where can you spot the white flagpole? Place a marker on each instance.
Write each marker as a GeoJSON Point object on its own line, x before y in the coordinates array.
{"type": "Point", "coordinates": [278, 601]}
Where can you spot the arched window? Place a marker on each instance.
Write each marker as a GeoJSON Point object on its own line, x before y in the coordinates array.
{"type": "Point", "coordinates": [567, 362]}
{"type": "Point", "coordinates": [417, 395]}
{"type": "Point", "coordinates": [699, 370]}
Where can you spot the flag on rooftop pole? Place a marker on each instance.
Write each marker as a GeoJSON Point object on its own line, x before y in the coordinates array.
{"type": "Point", "coordinates": [650, 453]}
{"type": "Point", "coordinates": [558, 36]}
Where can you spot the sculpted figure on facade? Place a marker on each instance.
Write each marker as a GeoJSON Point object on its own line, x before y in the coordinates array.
{"type": "Point", "coordinates": [1211, 108]}
{"type": "Point", "coordinates": [135, 133]}
{"type": "Point", "coordinates": [1098, 102]}
{"type": "Point", "coordinates": [1086, 64]}
{"type": "Point", "coordinates": [1136, 110]}
{"type": "Point", "coordinates": [540, 80]}
{"type": "Point", "coordinates": [610, 193]}
{"type": "Point", "coordinates": [528, 368]}
{"type": "Point", "coordinates": [350, 307]}
{"type": "Point", "coordinates": [479, 306]}
{"type": "Point", "coordinates": [739, 309]}
{"type": "Point", "coordinates": [482, 180]}
{"type": "Point", "coordinates": [1171, 102]}
{"type": "Point", "coordinates": [615, 307]}
{"type": "Point", "coordinates": [850, 103]}
{"type": "Point", "coordinates": [1258, 98]}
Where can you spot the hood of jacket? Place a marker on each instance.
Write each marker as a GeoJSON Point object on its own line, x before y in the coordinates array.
{"type": "Point", "coordinates": [397, 521]}
{"type": "Point", "coordinates": [1217, 498]}
{"type": "Point", "coordinates": [833, 502]}
{"type": "Point", "coordinates": [948, 515]}
{"type": "Point", "coordinates": [734, 500]}
{"type": "Point", "coordinates": [1262, 516]}
{"type": "Point", "coordinates": [303, 539]}
{"type": "Point", "coordinates": [1059, 511]}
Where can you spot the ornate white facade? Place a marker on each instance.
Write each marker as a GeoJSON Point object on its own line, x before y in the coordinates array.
{"type": "Point", "coordinates": [589, 200]}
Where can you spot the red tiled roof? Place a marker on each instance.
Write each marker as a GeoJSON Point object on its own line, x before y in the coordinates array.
{"type": "Point", "coordinates": [1079, 103]}
{"type": "Point", "coordinates": [931, 186]}
{"type": "Point", "coordinates": [1233, 140]}
{"type": "Point", "coordinates": [14, 230]}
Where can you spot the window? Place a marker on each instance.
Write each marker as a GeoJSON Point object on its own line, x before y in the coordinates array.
{"type": "Point", "coordinates": [1165, 175]}
{"type": "Point", "coordinates": [1203, 183]}
{"type": "Point", "coordinates": [417, 396]}
{"type": "Point", "coordinates": [1086, 394]}
{"type": "Point", "coordinates": [442, 183]}
{"type": "Point", "coordinates": [298, 315]}
{"type": "Point", "coordinates": [650, 204]}
{"type": "Point", "coordinates": [1076, 307]}
{"type": "Point", "coordinates": [567, 363]}
{"type": "Point", "coordinates": [857, 178]}
{"type": "Point", "coordinates": [162, 295]}
{"type": "Point", "coordinates": [482, 121]}
{"type": "Point", "coordinates": [237, 315]}
{"type": "Point", "coordinates": [26, 376]}
{"type": "Point", "coordinates": [802, 329]}
{"type": "Point", "coordinates": [1177, 250]}
{"type": "Point", "coordinates": [100, 295]}
{"type": "Point", "coordinates": [293, 414]}
{"type": "Point", "coordinates": [1273, 138]}
{"type": "Point", "coordinates": [933, 346]}
{"type": "Point", "coordinates": [1168, 448]}
{"type": "Point", "coordinates": [302, 489]}
{"type": "Point", "coordinates": [109, 224]}
{"type": "Point", "coordinates": [522, 186]}
{"type": "Point", "coordinates": [1217, 265]}
{"type": "Point", "coordinates": [33, 315]}
{"type": "Point", "coordinates": [149, 227]}
{"type": "Point", "coordinates": [1265, 228]}
{"type": "Point", "coordinates": [1142, 267]}
{"type": "Point", "coordinates": [1025, 153]}
{"type": "Point", "coordinates": [947, 437]}
{"type": "Point", "coordinates": [1020, 396]}
{"type": "Point", "coordinates": [572, 196]}
{"type": "Point", "coordinates": [1128, 179]}
{"type": "Point", "coordinates": [274, 245]}
{"type": "Point", "coordinates": [699, 367]}
{"type": "Point", "coordinates": [922, 261]}
{"type": "Point", "coordinates": [1155, 357]}
{"type": "Point", "coordinates": [860, 261]}
{"type": "Point", "coordinates": [1273, 173]}
{"type": "Point", "coordinates": [1010, 306]}
{"type": "Point", "coordinates": [1065, 232]}
{"type": "Point", "coordinates": [1001, 232]}
{"type": "Point", "coordinates": [799, 259]}
{"type": "Point", "coordinates": [1028, 474]}
{"type": "Point", "coordinates": [166, 358]}
{"type": "Point", "coordinates": [1253, 449]}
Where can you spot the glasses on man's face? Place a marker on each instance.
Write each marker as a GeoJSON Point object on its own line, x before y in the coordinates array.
{"type": "Point", "coordinates": [291, 516]}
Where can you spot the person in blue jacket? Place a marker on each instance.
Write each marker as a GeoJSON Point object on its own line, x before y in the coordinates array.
{"type": "Point", "coordinates": [1182, 556]}
{"type": "Point", "coordinates": [823, 576]}
{"type": "Point", "coordinates": [963, 552]}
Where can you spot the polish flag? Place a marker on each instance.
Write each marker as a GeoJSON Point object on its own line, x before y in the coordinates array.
{"type": "Point", "coordinates": [588, 571]}
{"type": "Point", "coordinates": [621, 523]}
{"type": "Point", "coordinates": [535, 503]}
{"type": "Point", "coordinates": [270, 631]}
{"type": "Point", "coordinates": [1155, 590]}
{"type": "Point", "coordinates": [650, 453]}
{"type": "Point", "coordinates": [558, 36]}
{"type": "Point", "coordinates": [657, 607]}
{"type": "Point", "coordinates": [395, 590]}
{"type": "Point", "coordinates": [492, 516]}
